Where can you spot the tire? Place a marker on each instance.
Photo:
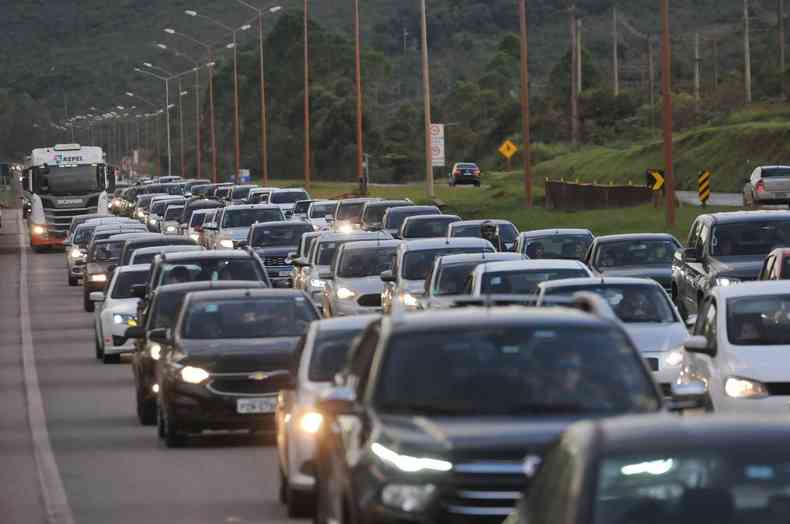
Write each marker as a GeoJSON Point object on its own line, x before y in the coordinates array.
{"type": "Point", "coordinates": [299, 504]}
{"type": "Point", "coordinates": [99, 350]}
{"type": "Point", "coordinates": [281, 494]}
{"type": "Point", "coordinates": [87, 304]}
{"type": "Point", "coordinates": [172, 435]}
{"type": "Point", "coordinates": [111, 359]}
{"type": "Point", "coordinates": [146, 409]}
{"type": "Point", "coordinates": [73, 281]}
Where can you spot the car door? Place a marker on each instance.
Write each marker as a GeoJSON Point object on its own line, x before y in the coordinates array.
{"type": "Point", "coordinates": [679, 269]}
{"type": "Point", "coordinates": [696, 271]}
{"type": "Point", "coordinates": [705, 368]}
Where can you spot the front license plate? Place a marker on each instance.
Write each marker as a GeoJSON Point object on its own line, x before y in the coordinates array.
{"type": "Point", "coordinates": [285, 273]}
{"type": "Point", "coordinates": [247, 406]}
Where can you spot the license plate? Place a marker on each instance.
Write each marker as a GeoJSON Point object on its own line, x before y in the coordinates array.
{"type": "Point", "coordinates": [285, 273]}
{"type": "Point", "coordinates": [247, 406]}
{"type": "Point", "coordinates": [468, 173]}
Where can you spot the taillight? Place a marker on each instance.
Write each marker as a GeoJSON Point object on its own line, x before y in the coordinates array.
{"type": "Point", "coordinates": [760, 187]}
{"type": "Point", "coordinates": [456, 173]}
{"type": "Point", "coordinates": [477, 172]}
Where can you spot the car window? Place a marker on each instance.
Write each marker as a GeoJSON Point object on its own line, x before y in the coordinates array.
{"type": "Point", "coordinates": [322, 210]}
{"type": "Point", "coordinates": [369, 262]}
{"type": "Point", "coordinates": [108, 251]}
{"type": "Point", "coordinates": [636, 252]}
{"type": "Point", "coordinates": [288, 197]}
{"type": "Point", "coordinates": [350, 212]}
{"type": "Point", "coordinates": [374, 213]}
{"type": "Point", "coordinates": [759, 320]}
{"type": "Point", "coordinates": [631, 303]}
{"type": "Point", "coordinates": [280, 236]}
{"type": "Point", "coordinates": [693, 239]}
{"type": "Point", "coordinates": [330, 353]}
{"type": "Point", "coordinates": [362, 358]}
{"type": "Point", "coordinates": [394, 220]}
{"type": "Point", "coordinates": [452, 278]}
{"type": "Point", "coordinates": [572, 247]}
{"type": "Point", "coordinates": [122, 287]}
{"type": "Point", "coordinates": [210, 269]}
{"type": "Point", "coordinates": [174, 213]}
{"type": "Point", "coordinates": [434, 228]}
{"type": "Point", "coordinates": [255, 317]}
{"type": "Point", "coordinates": [782, 271]}
{"type": "Point", "coordinates": [197, 219]}
{"type": "Point", "coordinates": [417, 264]}
{"type": "Point", "coordinates": [775, 172]}
{"type": "Point", "coordinates": [749, 238]}
{"type": "Point", "coordinates": [247, 217]}
{"type": "Point", "coordinates": [523, 281]}
{"type": "Point", "coordinates": [709, 327]}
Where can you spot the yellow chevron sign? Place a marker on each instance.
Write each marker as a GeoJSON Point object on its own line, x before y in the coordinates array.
{"type": "Point", "coordinates": [657, 179]}
{"type": "Point", "coordinates": [703, 186]}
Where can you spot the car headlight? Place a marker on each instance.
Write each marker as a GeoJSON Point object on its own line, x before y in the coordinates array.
{"type": "Point", "coordinates": [98, 277]}
{"type": "Point", "coordinates": [152, 221]}
{"type": "Point", "coordinates": [171, 229]}
{"type": "Point", "coordinates": [122, 318]}
{"type": "Point", "coordinates": [737, 387]}
{"type": "Point", "coordinates": [726, 281]}
{"type": "Point", "coordinates": [194, 375]}
{"type": "Point", "coordinates": [226, 243]}
{"type": "Point", "coordinates": [317, 283]}
{"type": "Point", "coordinates": [155, 350]}
{"type": "Point", "coordinates": [76, 253]}
{"type": "Point", "coordinates": [344, 293]}
{"type": "Point", "coordinates": [408, 497]}
{"type": "Point", "coordinates": [407, 463]}
{"type": "Point", "coordinates": [141, 214]}
{"type": "Point", "coordinates": [345, 228]}
{"type": "Point", "coordinates": [674, 358]}
{"type": "Point", "coordinates": [311, 422]}
{"type": "Point", "coordinates": [409, 300]}
{"type": "Point", "coordinates": [39, 230]}
{"type": "Point", "coordinates": [194, 236]}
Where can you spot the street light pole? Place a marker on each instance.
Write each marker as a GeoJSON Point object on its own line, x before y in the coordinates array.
{"type": "Point", "coordinates": [181, 125]}
{"type": "Point", "coordinates": [167, 109]}
{"type": "Point", "coordinates": [527, 154]}
{"type": "Point", "coordinates": [666, 78]}
{"type": "Point", "coordinates": [360, 139]}
{"type": "Point", "coordinates": [307, 148]}
{"type": "Point", "coordinates": [426, 93]}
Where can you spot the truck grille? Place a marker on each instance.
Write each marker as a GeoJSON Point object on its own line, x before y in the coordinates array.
{"type": "Point", "coordinates": [242, 384]}
{"type": "Point", "coordinates": [275, 261]}
{"type": "Point", "coordinates": [370, 300]}
{"type": "Point", "coordinates": [483, 491]}
{"type": "Point", "coordinates": [59, 220]}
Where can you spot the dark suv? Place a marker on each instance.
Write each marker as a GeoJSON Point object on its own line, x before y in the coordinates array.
{"type": "Point", "coordinates": [724, 249]}
{"type": "Point", "coordinates": [273, 242]}
{"type": "Point", "coordinates": [437, 411]}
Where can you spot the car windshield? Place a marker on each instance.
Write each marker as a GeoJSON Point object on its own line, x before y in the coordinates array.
{"type": "Point", "coordinates": [158, 207]}
{"type": "Point", "coordinates": [749, 238]}
{"type": "Point", "coordinates": [507, 232]}
{"type": "Point", "coordinates": [255, 317]}
{"type": "Point", "coordinates": [301, 207]}
{"type": "Point", "coordinates": [745, 483]}
{"type": "Point", "coordinates": [632, 303]}
{"type": "Point", "coordinates": [523, 282]}
{"type": "Point", "coordinates": [367, 262]}
{"type": "Point", "coordinates": [417, 264]}
{"type": "Point", "coordinates": [240, 193]}
{"type": "Point", "coordinates": [70, 181]}
{"type": "Point", "coordinates": [350, 212]}
{"type": "Point", "coordinates": [522, 370]}
{"type": "Point", "coordinates": [571, 247]}
{"type": "Point", "coordinates": [174, 212]}
{"type": "Point", "coordinates": [452, 278]}
{"type": "Point", "coordinates": [279, 236]}
{"type": "Point", "coordinates": [396, 218]}
{"type": "Point", "coordinates": [322, 210]}
{"type": "Point", "coordinates": [629, 253]}
{"type": "Point", "coordinates": [165, 311]}
{"type": "Point", "coordinates": [247, 217]}
{"type": "Point", "coordinates": [430, 228]}
{"type": "Point", "coordinates": [210, 269]}
{"type": "Point", "coordinates": [330, 350]}
{"type": "Point", "coordinates": [326, 251]}
{"type": "Point", "coordinates": [83, 234]}
{"type": "Point", "coordinates": [775, 172]}
{"type": "Point", "coordinates": [759, 320]}
{"type": "Point", "coordinates": [374, 213]}
{"type": "Point", "coordinates": [124, 281]}
{"type": "Point", "coordinates": [288, 197]}
{"type": "Point", "coordinates": [197, 219]}
{"type": "Point", "coordinates": [108, 251]}
{"type": "Point", "coordinates": [201, 190]}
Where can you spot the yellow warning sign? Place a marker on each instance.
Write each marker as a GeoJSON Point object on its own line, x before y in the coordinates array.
{"type": "Point", "coordinates": [703, 186]}
{"type": "Point", "coordinates": [508, 149]}
{"type": "Point", "coordinates": [657, 181]}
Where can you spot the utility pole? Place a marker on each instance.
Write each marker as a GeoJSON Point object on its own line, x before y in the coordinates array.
{"type": "Point", "coordinates": [197, 122]}
{"type": "Point", "coordinates": [574, 73]}
{"type": "Point", "coordinates": [212, 131]}
{"type": "Point", "coordinates": [615, 57]}
{"type": "Point", "coordinates": [358, 74]}
{"type": "Point", "coordinates": [579, 83]}
{"type": "Point", "coordinates": [262, 90]}
{"type": "Point", "coordinates": [747, 53]}
{"type": "Point", "coordinates": [651, 73]}
{"type": "Point", "coordinates": [526, 153]}
{"type": "Point", "coordinates": [697, 61]}
{"type": "Point", "coordinates": [715, 62]}
{"type": "Point", "coordinates": [307, 148]}
{"type": "Point", "coordinates": [426, 94]}
{"type": "Point", "coordinates": [666, 80]}
{"type": "Point", "coordinates": [781, 25]}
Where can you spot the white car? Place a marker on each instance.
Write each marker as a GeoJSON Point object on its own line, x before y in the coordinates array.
{"type": "Point", "coordinates": [324, 352]}
{"type": "Point", "coordinates": [522, 277]}
{"type": "Point", "coordinates": [648, 316]}
{"type": "Point", "coordinates": [146, 255]}
{"type": "Point", "coordinates": [171, 218]}
{"type": "Point", "coordinates": [740, 348]}
{"type": "Point", "coordinates": [116, 310]}
{"type": "Point", "coordinates": [318, 212]}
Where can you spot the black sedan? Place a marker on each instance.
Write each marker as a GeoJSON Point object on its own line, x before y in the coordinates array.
{"type": "Point", "coordinates": [659, 470]}
{"type": "Point", "coordinates": [227, 359]}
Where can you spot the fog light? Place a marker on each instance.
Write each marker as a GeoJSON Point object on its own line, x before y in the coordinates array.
{"type": "Point", "coordinates": [406, 497]}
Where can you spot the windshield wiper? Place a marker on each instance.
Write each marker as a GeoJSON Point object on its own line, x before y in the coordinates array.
{"type": "Point", "coordinates": [569, 408]}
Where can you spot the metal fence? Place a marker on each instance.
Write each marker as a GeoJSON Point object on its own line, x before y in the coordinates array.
{"type": "Point", "coordinates": [573, 196]}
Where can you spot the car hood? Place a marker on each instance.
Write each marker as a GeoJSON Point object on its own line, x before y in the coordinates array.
{"type": "Point", "coordinates": [651, 338]}
{"type": "Point", "coordinates": [661, 274]}
{"type": "Point", "coordinates": [471, 438]}
{"type": "Point", "coordinates": [363, 286]}
{"type": "Point", "coordinates": [120, 305]}
{"type": "Point", "coordinates": [275, 251]}
{"type": "Point", "coordinates": [763, 363]}
{"type": "Point", "coordinates": [240, 355]}
{"type": "Point", "coordinates": [743, 268]}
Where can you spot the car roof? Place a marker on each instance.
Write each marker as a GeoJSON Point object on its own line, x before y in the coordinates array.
{"type": "Point", "coordinates": [537, 264]}
{"type": "Point", "coordinates": [728, 217]}
{"type": "Point", "coordinates": [598, 281]}
{"type": "Point", "coordinates": [282, 223]}
{"type": "Point", "coordinates": [203, 255]}
{"type": "Point", "coordinates": [419, 244]}
{"type": "Point", "coordinates": [331, 236]}
{"type": "Point", "coordinates": [344, 323]}
{"type": "Point", "coordinates": [368, 244]}
{"type": "Point", "coordinates": [756, 288]}
{"type": "Point", "coordinates": [290, 189]}
{"type": "Point", "coordinates": [361, 200]}
{"type": "Point", "coordinates": [636, 433]}
{"type": "Point", "coordinates": [134, 268]}
{"type": "Point", "coordinates": [129, 237]}
{"type": "Point", "coordinates": [410, 208]}
{"type": "Point", "coordinates": [556, 231]}
{"type": "Point", "coordinates": [418, 218]}
{"type": "Point", "coordinates": [214, 294]}
{"type": "Point", "coordinates": [480, 222]}
{"type": "Point", "coordinates": [463, 258]}
{"type": "Point", "coordinates": [202, 285]}
{"type": "Point", "coordinates": [166, 248]}
{"type": "Point", "coordinates": [251, 206]}
{"type": "Point", "coordinates": [637, 236]}
{"type": "Point", "coordinates": [146, 237]}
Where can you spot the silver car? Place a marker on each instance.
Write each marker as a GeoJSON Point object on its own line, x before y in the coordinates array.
{"type": "Point", "coordinates": [326, 346]}
{"type": "Point", "coordinates": [522, 277]}
{"type": "Point", "coordinates": [355, 285]}
{"type": "Point", "coordinates": [647, 314]}
{"type": "Point", "coordinates": [767, 185]}
{"type": "Point", "coordinates": [232, 224]}
{"type": "Point", "coordinates": [318, 212]}
{"type": "Point", "coordinates": [300, 260]}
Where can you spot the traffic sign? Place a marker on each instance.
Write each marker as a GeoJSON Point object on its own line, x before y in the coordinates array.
{"type": "Point", "coordinates": [437, 145]}
{"type": "Point", "coordinates": [655, 179]}
{"type": "Point", "coordinates": [703, 186]}
{"type": "Point", "coordinates": [508, 149]}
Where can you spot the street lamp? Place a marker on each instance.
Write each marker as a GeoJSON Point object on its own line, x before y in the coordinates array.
{"type": "Point", "coordinates": [264, 131]}
{"type": "Point", "coordinates": [156, 124]}
{"type": "Point", "coordinates": [167, 109]}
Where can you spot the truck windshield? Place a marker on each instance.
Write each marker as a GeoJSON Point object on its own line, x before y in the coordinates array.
{"type": "Point", "coordinates": [78, 180]}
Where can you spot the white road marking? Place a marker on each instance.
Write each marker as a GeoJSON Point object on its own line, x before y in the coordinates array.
{"type": "Point", "coordinates": [55, 501]}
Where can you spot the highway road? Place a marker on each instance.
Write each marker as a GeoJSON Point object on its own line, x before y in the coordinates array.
{"type": "Point", "coordinates": [83, 458]}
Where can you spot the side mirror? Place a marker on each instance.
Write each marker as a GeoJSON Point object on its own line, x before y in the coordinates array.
{"type": "Point", "coordinates": [243, 244]}
{"type": "Point", "coordinates": [134, 332]}
{"type": "Point", "coordinates": [387, 276]}
{"type": "Point", "coordinates": [691, 321]}
{"type": "Point", "coordinates": [693, 395]}
{"type": "Point", "coordinates": [139, 291]}
{"type": "Point", "coordinates": [160, 336]}
{"type": "Point", "coordinates": [329, 218]}
{"type": "Point", "coordinates": [338, 401]}
{"type": "Point", "coordinates": [690, 254]}
{"type": "Point", "coordinates": [699, 344]}
{"type": "Point", "coordinates": [96, 296]}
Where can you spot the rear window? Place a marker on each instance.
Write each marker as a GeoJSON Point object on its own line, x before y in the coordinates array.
{"type": "Point", "coordinates": [124, 282]}
{"type": "Point", "coordinates": [330, 351]}
{"type": "Point", "coordinates": [288, 197]}
{"type": "Point", "coordinates": [83, 234]}
{"type": "Point", "coordinates": [174, 213]}
{"type": "Point", "coordinates": [759, 320]}
{"type": "Point", "coordinates": [350, 212]}
{"type": "Point", "coordinates": [210, 269]}
{"type": "Point", "coordinates": [632, 303]}
{"type": "Point", "coordinates": [248, 217]}
{"type": "Point", "coordinates": [241, 193]}
{"type": "Point", "coordinates": [452, 278]}
{"type": "Point", "coordinates": [197, 219]}
{"type": "Point", "coordinates": [523, 282]}
{"type": "Point", "coordinates": [108, 251]}
{"type": "Point", "coordinates": [255, 317]}
{"type": "Point", "coordinates": [374, 213]}
{"type": "Point", "coordinates": [775, 172]}
{"type": "Point", "coordinates": [322, 210]}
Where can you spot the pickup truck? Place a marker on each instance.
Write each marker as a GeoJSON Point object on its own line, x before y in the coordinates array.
{"type": "Point", "coordinates": [724, 249]}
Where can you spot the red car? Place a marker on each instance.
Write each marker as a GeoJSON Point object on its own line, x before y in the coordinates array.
{"type": "Point", "coordinates": [776, 265]}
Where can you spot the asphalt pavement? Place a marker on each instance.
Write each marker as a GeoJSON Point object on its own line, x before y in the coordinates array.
{"type": "Point", "coordinates": [716, 199]}
{"type": "Point", "coordinates": [108, 467]}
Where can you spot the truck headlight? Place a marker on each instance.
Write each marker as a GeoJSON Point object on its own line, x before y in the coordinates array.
{"type": "Point", "coordinates": [39, 230]}
{"type": "Point", "coordinates": [226, 243]}
{"type": "Point", "coordinates": [344, 293]}
{"type": "Point", "coordinates": [737, 387]}
{"type": "Point", "coordinates": [408, 497]}
{"type": "Point", "coordinates": [98, 277]}
{"type": "Point", "coordinates": [194, 375]}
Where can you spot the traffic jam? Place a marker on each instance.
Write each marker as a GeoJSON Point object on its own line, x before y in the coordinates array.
{"type": "Point", "coordinates": [413, 366]}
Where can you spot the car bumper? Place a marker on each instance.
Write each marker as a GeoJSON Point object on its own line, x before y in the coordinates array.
{"type": "Point", "coordinates": [348, 308]}
{"type": "Point", "coordinates": [466, 180]}
{"type": "Point", "coordinates": [198, 408]}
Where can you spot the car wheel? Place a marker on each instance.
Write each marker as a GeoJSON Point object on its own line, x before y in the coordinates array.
{"type": "Point", "coordinates": [111, 359]}
{"type": "Point", "coordinates": [146, 409]}
{"type": "Point", "coordinates": [477, 184]}
{"type": "Point", "coordinates": [172, 435]}
{"type": "Point", "coordinates": [281, 495]}
{"type": "Point", "coordinates": [73, 281]}
{"type": "Point", "coordinates": [160, 422]}
{"type": "Point", "coordinates": [87, 304]}
{"type": "Point", "coordinates": [299, 504]}
{"type": "Point", "coordinates": [99, 349]}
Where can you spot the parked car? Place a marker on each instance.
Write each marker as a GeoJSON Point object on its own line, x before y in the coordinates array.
{"type": "Point", "coordinates": [506, 232]}
{"type": "Point", "coordinates": [521, 277]}
{"type": "Point", "coordinates": [564, 243]}
{"type": "Point", "coordinates": [776, 265]}
{"type": "Point", "coordinates": [274, 242]}
{"type": "Point", "coordinates": [464, 173]}
{"type": "Point", "coordinates": [426, 226]}
{"type": "Point", "coordinates": [724, 249]}
{"type": "Point", "coordinates": [767, 185]}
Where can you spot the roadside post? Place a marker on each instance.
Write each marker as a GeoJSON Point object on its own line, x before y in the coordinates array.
{"type": "Point", "coordinates": [703, 186]}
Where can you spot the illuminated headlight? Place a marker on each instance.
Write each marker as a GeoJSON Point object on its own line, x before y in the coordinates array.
{"type": "Point", "coordinates": [674, 358]}
{"type": "Point", "coordinates": [152, 221]}
{"type": "Point", "coordinates": [344, 293]}
{"type": "Point", "coordinates": [141, 214]}
{"type": "Point", "coordinates": [311, 422]}
{"type": "Point", "coordinates": [76, 253]}
{"type": "Point", "coordinates": [345, 228]}
{"type": "Point", "coordinates": [194, 375]}
{"type": "Point", "coordinates": [122, 318]}
{"type": "Point", "coordinates": [39, 230]}
{"type": "Point", "coordinates": [171, 229]}
{"type": "Point", "coordinates": [317, 283]}
{"type": "Point", "coordinates": [409, 300]}
{"type": "Point", "coordinates": [407, 497]}
{"type": "Point", "coordinates": [737, 387]}
{"type": "Point", "coordinates": [155, 350]}
{"type": "Point", "coordinates": [226, 243]}
{"type": "Point", "coordinates": [316, 227]}
{"type": "Point", "coordinates": [194, 236]}
{"type": "Point", "coordinates": [409, 464]}
{"type": "Point", "coordinates": [724, 281]}
{"type": "Point", "coordinates": [98, 277]}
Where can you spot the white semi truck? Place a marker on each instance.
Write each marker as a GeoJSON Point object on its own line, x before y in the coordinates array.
{"type": "Point", "coordinates": [59, 183]}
